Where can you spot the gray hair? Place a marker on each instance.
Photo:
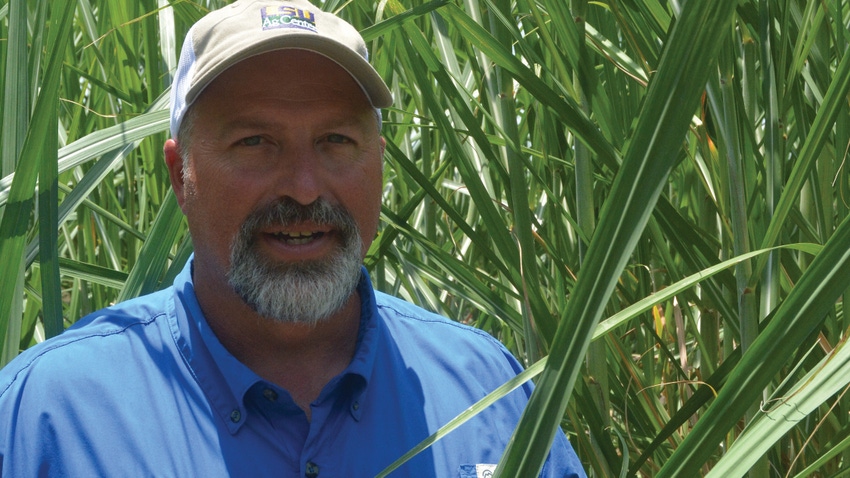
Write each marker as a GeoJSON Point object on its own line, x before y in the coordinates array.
{"type": "Point", "coordinates": [184, 135]}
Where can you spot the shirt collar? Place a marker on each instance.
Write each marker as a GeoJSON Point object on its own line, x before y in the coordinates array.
{"type": "Point", "coordinates": [226, 381]}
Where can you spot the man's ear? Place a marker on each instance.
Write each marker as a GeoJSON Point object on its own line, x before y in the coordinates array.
{"type": "Point", "coordinates": [174, 162]}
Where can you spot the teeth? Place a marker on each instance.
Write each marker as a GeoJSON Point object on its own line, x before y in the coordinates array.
{"type": "Point", "coordinates": [297, 238]}
{"type": "Point", "coordinates": [299, 241]}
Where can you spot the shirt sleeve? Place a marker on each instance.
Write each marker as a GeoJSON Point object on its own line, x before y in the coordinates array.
{"type": "Point", "coordinates": [27, 438]}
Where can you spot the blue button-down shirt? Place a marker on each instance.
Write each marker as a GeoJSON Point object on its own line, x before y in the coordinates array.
{"type": "Point", "coordinates": [145, 388]}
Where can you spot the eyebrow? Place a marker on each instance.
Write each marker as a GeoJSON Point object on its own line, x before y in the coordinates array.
{"type": "Point", "coordinates": [361, 122]}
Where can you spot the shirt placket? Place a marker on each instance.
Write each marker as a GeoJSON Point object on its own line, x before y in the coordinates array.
{"type": "Point", "coordinates": [343, 409]}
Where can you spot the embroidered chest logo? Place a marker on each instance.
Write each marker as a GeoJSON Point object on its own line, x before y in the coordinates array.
{"type": "Point", "coordinates": [288, 17]}
{"type": "Point", "coordinates": [485, 471]}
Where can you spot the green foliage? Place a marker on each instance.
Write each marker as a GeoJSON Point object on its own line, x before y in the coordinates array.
{"type": "Point", "coordinates": [648, 200]}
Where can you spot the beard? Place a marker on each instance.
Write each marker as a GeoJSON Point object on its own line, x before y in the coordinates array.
{"type": "Point", "coordinates": [304, 292]}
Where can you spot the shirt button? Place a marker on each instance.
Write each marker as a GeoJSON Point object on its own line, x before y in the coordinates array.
{"type": "Point", "coordinates": [312, 470]}
{"type": "Point", "coordinates": [235, 416]}
{"type": "Point", "coordinates": [355, 406]}
{"type": "Point", "coordinates": [270, 395]}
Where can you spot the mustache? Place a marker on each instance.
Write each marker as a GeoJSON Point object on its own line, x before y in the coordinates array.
{"type": "Point", "coordinates": [287, 211]}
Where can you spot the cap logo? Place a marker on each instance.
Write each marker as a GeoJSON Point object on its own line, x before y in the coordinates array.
{"type": "Point", "coordinates": [288, 17]}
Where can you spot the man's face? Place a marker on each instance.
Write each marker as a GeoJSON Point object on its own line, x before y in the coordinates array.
{"type": "Point", "coordinates": [282, 184]}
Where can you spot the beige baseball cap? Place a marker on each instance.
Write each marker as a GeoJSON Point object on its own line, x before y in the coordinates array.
{"type": "Point", "coordinates": [247, 28]}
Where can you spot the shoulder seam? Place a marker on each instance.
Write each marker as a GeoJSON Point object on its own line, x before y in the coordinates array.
{"type": "Point", "coordinates": [80, 339]}
{"type": "Point", "coordinates": [441, 320]}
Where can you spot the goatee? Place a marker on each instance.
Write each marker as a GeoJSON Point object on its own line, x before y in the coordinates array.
{"type": "Point", "coordinates": [303, 292]}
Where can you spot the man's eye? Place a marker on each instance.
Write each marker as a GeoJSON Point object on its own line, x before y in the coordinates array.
{"type": "Point", "coordinates": [250, 141]}
{"type": "Point", "coordinates": [337, 138]}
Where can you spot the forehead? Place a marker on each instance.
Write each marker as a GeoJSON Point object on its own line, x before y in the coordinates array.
{"type": "Point", "coordinates": [292, 75]}
{"type": "Point", "coordinates": [281, 89]}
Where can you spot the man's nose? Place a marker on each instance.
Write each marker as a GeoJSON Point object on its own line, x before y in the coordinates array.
{"type": "Point", "coordinates": [299, 176]}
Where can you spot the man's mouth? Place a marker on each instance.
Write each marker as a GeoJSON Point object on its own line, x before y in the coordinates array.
{"type": "Point", "coordinates": [298, 238]}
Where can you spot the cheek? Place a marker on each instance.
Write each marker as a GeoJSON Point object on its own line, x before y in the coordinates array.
{"type": "Point", "coordinates": [215, 209]}
{"type": "Point", "coordinates": [366, 201]}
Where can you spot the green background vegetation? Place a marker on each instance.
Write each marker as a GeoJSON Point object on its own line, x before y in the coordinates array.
{"type": "Point", "coordinates": [645, 200]}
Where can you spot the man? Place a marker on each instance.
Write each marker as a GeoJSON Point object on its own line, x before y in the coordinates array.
{"type": "Point", "coordinates": [270, 355]}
